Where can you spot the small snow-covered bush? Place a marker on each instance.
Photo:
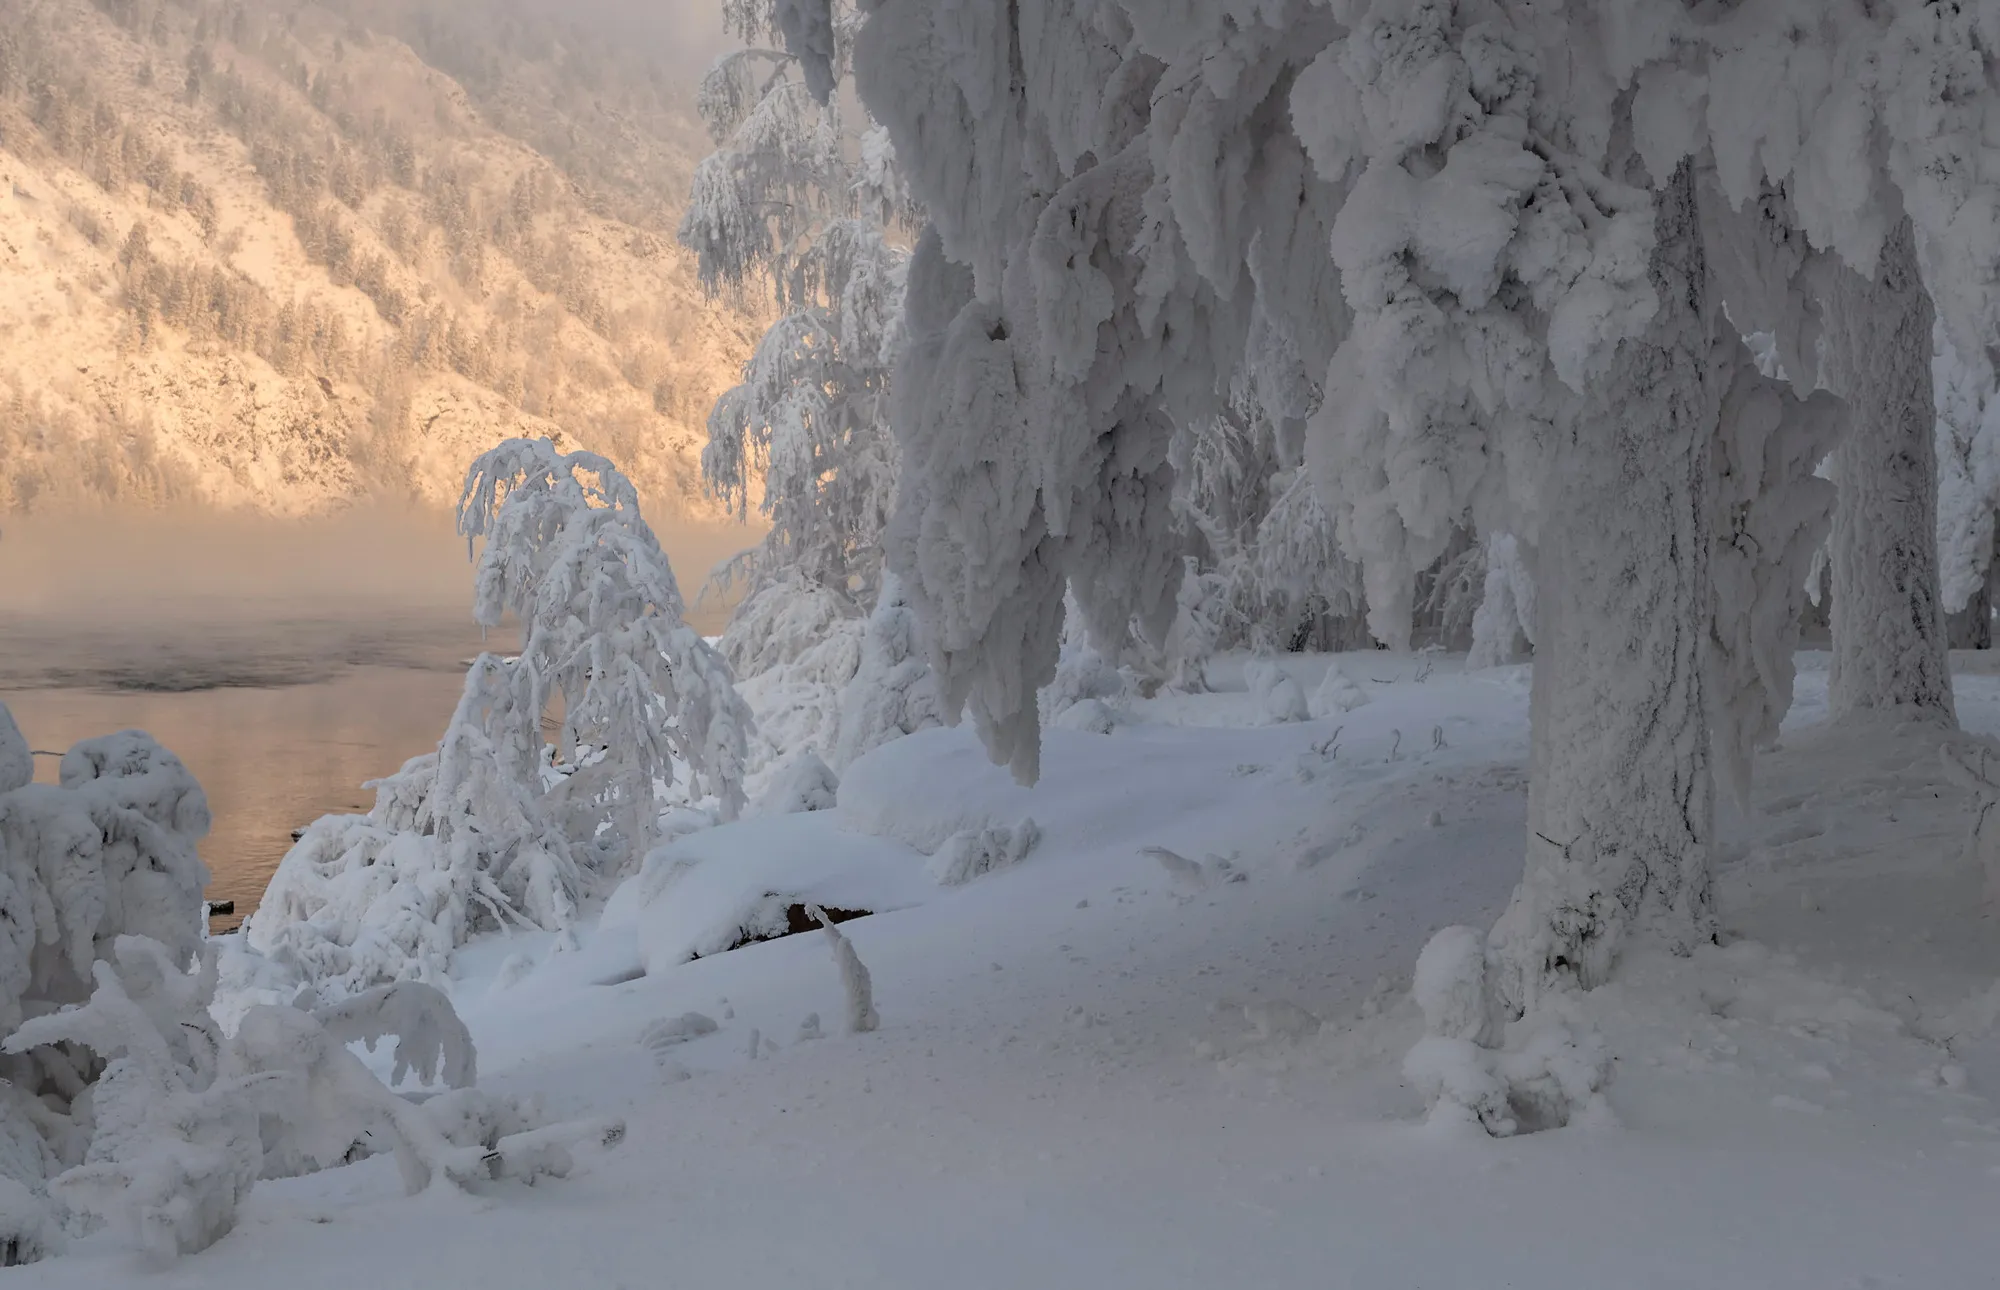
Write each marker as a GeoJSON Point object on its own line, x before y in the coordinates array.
{"type": "Point", "coordinates": [805, 783]}
{"type": "Point", "coordinates": [361, 900]}
{"type": "Point", "coordinates": [1336, 693]}
{"type": "Point", "coordinates": [100, 866]}
{"type": "Point", "coordinates": [1278, 696]}
{"type": "Point", "coordinates": [173, 1140]}
{"type": "Point", "coordinates": [972, 852]}
{"type": "Point", "coordinates": [1081, 673]}
{"type": "Point", "coordinates": [1547, 1075]}
{"type": "Point", "coordinates": [28, 1232]}
{"type": "Point", "coordinates": [110, 850]}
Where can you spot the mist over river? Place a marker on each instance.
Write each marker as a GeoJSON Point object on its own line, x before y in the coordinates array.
{"type": "Point", "coordinates": [285, 662]}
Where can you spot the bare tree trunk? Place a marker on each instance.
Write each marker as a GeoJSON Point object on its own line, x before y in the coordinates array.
{"type": "Point", "coordinates": [1621, 797]}
{"type": "Point", "coordinates": [1888, 629]}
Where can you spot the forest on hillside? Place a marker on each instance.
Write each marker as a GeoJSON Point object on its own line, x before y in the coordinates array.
{"type": "Point", "coordinates": [404, 220]}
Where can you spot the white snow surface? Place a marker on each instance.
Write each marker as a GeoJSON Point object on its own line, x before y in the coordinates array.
{"type": "Point", "coordinates": [1078, 1080]}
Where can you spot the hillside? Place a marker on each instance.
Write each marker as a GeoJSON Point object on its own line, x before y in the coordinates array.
{"type": "Point", "coordinates": [280, 255]}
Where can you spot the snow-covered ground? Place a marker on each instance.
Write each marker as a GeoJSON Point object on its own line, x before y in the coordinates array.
{"type": "Point", "coordinates": [1101, 1067]}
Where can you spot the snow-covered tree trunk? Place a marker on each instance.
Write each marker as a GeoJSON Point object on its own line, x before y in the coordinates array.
{"type": "Point", "coordinates": [1888, 629]}
{"type": "Point", "coordinates": [1621, 790]}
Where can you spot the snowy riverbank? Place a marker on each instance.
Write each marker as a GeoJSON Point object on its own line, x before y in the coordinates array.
{"type": "Point", "coordinates": [1096, 1068]}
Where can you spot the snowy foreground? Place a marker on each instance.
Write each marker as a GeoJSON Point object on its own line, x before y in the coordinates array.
{"type": "Point", "coordinates": [1102, 1067]}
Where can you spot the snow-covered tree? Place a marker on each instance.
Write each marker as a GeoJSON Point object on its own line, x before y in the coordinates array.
{"type": "Point", "coordinates": [1264, 571]}
{"type": "Point", "coordinates": [1115, 203]}
{"type": "Point", "coordinates": [892, 693]}
{"type": "Point", "coordinates": [497, 829]}
{"type": "Point", "coordinates": [791, 198]}
{"type": "Point", "coordinates": [568, 554]}
{"type": "Point", "coordinates": [1968, 454]}
{"type": "Point", "coordinates": [1889, 648]}
{"type": "Point", "coordinates": [1515, 197]}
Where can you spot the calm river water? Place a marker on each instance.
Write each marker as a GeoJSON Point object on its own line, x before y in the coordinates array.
{"type": "Point", "coordinates": [285, 664]}
{"type": "Point", "coordinates": [281, 722]}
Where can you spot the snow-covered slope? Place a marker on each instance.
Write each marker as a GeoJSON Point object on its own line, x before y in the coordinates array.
{"type": "Point", "coordinates": [1108, 1066]}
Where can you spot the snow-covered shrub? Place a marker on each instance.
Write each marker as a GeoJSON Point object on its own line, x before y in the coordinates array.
{"type": "Point", "coordinates": [358, 902]}
{"type": "Point", "coordinates": [339, 1110]}
{"type": "Point", "coordinates": [805, 783]}
{"type": "Point", "coordinates": [28, 1232]}
{"type": "Point", "coordinates": [173, 1139]}
{"type": "Point", "coordinates": [1279, 697]}
{"type": "Point", "coordinates": [109, 851]}
{"type": "Point", "coordinates": [100, 866]}
{"type": "Point", "coordinates": [970, 853]}
{"type": "Point", "coordinates": [1545, 1077]}
{"type": "Point", "coordinates": [893, 693]}
{"type": "Point", "coordinates": [1092, 716]}
{"type": "Point", "coordinates": [1336, 693]}
{"type": "Point", "coordinates": [1082, 672]}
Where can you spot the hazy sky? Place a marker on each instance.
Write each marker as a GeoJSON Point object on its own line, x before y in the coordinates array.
{"type": "Point", "coordinates": [685, 34]}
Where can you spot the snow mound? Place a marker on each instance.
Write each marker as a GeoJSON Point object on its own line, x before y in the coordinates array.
{"type": "Point", "coordinates": [1281, 698]}
{"type": "Point", "coordinates": [1450, 984]}
{"type": "Point", "coordinates": [724, 888]}
{"type": "Point", "coordinates": [1091, 716]}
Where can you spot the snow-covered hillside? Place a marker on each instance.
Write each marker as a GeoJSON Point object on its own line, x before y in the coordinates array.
{"type": "Point", "coordinates": [279, 257]}
{"type": "Point", "coordinates": [1164, 1048]}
